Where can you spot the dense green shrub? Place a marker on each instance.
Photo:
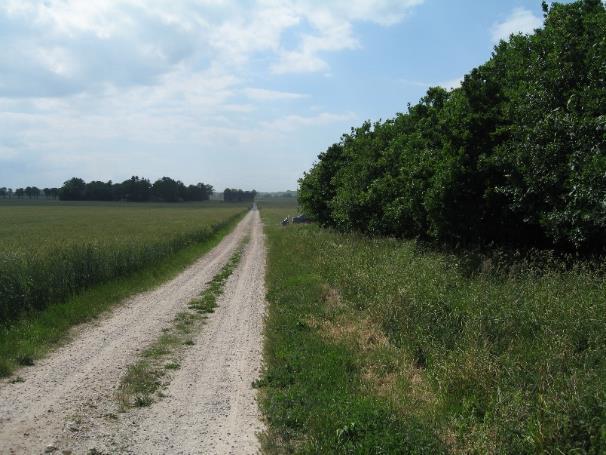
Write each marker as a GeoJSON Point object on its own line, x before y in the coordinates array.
{"type": "Point", "coordinates": [517, 154]}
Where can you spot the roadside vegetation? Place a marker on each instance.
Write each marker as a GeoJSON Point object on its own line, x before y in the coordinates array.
{"type": "Point", "coordinates": [386, 346]}
{"type": "Point", "coordinates": [480, 327]}
{"type": "Point", "coordinates": [143, 382]}
{"type": "Point", "coordinates": [64, 264]}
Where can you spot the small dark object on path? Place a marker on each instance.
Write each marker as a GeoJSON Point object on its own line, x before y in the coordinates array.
{"type": "Point", "coordinates": [300, 219]}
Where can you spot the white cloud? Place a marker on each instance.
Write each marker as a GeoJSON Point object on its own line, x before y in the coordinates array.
{"type": "Point", "coordinates": [520, 20]}
{"type": "Point", "coordinates": [448, 85]}
{"type": "Point", "coordinates": [72, 46]}
{"type": "Point", "coordinates": [332, 23]}
{"type": "Point", "coordinates": [259, 94]}
{"type": "Point", "coordinates": [104, 85]}
{"type": "Point", "coordinates": [452, 84]}
{"type": "Point", "coordinates": [293, 122]}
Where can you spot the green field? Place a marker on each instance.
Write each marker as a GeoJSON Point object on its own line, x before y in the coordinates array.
{"type": "Point", "coordinates": [384, 346]}
{"type": "Point", "coordinates": [63, 263]}
{"type": "Point", "coordinates": [29, 227]}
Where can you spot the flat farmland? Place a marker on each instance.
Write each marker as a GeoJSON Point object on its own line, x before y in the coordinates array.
{"type": "Point", "coordinates": [33, 227]}
{"type": "Point", "coordinates": [49, 251]}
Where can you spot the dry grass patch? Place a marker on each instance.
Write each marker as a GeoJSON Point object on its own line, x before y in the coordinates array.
{"type": "Point", "coordinates": [403, 385]}
{"type": "Point", "coordinates": [386, 371]}
{"type": "Point", "coordinates": [332, 298]}
{"type": "Point", "coordinates": [364, 334]}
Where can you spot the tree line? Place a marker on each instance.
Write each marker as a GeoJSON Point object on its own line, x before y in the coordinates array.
{"type": "Point", "coordinates": [135, 189]}
{"type": "Point", "coordinates": [237, 195]}
{"type": "Point", "coordinates": [517, 154]}
{"type": "Point", "coordinates": [30, 192]}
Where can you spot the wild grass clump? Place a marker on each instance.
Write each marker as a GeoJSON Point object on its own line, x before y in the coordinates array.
{"type": "Point", "coordinates": [207, 301]}
{"type": "Point", "coordinates": [494, 358]}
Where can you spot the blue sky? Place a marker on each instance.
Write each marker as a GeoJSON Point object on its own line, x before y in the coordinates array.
{"type": "Point", "coordinates": [239, 94]}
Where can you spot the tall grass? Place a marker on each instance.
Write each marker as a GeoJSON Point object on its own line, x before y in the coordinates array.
{"type": "Point", "coordinates": [487, 360]}
{"type": "Point", "coordinates": [40, 266]}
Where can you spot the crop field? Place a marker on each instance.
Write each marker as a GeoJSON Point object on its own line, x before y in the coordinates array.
{"type": "Point", "coordinates": [387, 346]}
{"type": "Point", "coordinates": [50, 251]}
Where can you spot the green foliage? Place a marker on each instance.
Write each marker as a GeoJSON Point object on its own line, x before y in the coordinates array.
{"type": "Point", "coordinates": [73, 190]}
{"type": "Point", "coordinates": [480, 354]}
{"type": "Point", "coordinates": [517, 154]}
{"type": "Point", "coordinates": [135, 189]}
{"type": "Point", "coordinates": [167, 189]}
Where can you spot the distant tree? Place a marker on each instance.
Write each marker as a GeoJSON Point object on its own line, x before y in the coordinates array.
{"type": "Point", "coordinates": [238, 195]}
{"type": "Point", "coordinates": [51, 193]}
{"type": "Point", "coordinates": [118, 192]}
{"type": "Point", "coordinates": [182, 191]}
{"type": "Point", "coordinates": [73, 189]}
{"type": "Point", "coordinates": [198, 192]}
{"type": "Point", "coordinates": [136, 189]}
{"type": "Point", "coordinates": [209, 190]}
{"type": "Point", "coordinates": [167, 190]}
{"type": "Point", "coordinates": [3, 192]}
{"type": "Point", "coordinates": [99, 191]}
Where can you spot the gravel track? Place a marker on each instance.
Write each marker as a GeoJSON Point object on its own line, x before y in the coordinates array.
{"type": "Point", "coordinates": [68, 399]}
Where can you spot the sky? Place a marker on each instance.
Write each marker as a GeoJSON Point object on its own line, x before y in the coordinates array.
{"type": "Point", "coordinates": [233, 93]}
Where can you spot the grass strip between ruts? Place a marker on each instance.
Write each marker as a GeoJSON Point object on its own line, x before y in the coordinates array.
{"type": "Point", "coordinates": [145, 379]}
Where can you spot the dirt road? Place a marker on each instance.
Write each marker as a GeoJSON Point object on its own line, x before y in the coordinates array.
{"type": "Point", "coordinates": [67, 402]}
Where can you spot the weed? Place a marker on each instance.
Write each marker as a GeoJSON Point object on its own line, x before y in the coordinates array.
{"type": "Point", "coordinates": [25, 360]}
{"type": "Point", "coordinates": [142, 401]}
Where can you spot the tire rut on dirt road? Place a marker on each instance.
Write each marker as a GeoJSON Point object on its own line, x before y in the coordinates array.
{"type": "Point", "coordinates": [68, 399]}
